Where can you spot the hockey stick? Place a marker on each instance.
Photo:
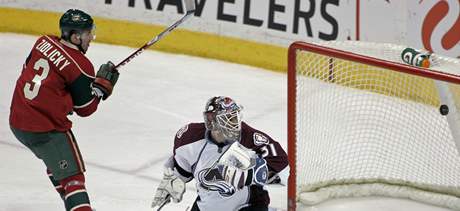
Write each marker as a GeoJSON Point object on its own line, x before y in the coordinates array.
{"type": "Point", "coordinates": [189, 7]}
{"type": "Point", "coordinates": [168, 199]}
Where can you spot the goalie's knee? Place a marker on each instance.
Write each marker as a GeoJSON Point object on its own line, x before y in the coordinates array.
{"type": "Point", "coordinates": [75, 195]}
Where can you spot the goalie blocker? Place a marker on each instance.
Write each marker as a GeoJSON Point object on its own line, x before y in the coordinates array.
{"type": "Point", "coordinates": [230, 161]}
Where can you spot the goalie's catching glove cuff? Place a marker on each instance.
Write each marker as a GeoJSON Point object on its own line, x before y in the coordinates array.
{"type": "Point", "coordinates": [106, 78]}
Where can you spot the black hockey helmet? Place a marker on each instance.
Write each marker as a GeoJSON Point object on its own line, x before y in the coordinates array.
{"type": "Point", "coordinates": [74, 21]}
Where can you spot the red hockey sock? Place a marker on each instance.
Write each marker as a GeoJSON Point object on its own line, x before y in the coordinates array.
{"type": "Point", "coordinates": [75, 195]}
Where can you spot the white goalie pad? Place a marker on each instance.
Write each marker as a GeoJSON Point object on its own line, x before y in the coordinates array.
{"type": "Point", "coordinates": [238, 156]}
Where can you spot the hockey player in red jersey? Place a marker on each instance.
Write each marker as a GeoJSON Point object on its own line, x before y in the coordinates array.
{"type": "Point", "coordinates": [57, 80]}
{"type": "Point", "coordinates": [230, 161]}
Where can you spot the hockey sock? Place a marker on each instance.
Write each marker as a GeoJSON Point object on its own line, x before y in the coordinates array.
{"type": "Point", "coordinates": [75, 196]}
{"type": "Point", "coordinates": [56, 183]}
{"type": "Point", "coordinates": [57, 186]}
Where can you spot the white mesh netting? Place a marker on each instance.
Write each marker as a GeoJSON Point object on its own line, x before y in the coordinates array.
{"type": "Point", "coordinates": [365, 130]}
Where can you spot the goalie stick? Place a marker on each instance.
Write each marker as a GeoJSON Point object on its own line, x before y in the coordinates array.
{"type": "Point", "coordinates": [189, 7]}
{"type": "Point", "coordinates": [168, 199]}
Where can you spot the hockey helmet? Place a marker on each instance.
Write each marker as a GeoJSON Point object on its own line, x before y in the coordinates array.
{"type": "Point", "coordinates": [75, 21]}
{"type": "Point", "coordinates": [224, 114]}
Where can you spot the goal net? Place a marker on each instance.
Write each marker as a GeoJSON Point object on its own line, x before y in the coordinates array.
{"type": "Point", "coordinates": [363, 123]}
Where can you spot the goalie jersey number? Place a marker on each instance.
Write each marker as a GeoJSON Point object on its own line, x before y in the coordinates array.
{"type": "Point", "coordinates": [268, 149]}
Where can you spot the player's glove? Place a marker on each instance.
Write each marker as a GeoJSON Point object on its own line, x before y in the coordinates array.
{"type": "Point", "coordinates": [257, 175]}
{"type": "Point", "coordinates": [241, 167]}
{"type": "Point", "coordinates": [238, 156]}
{"type": "Point", "coordinates": [170, 188]}
{"type": "Point", "coordinates": [106, 78]}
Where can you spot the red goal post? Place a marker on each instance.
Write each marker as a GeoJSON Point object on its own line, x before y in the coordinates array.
{"type": "Point", "coordinates": [355, 82]}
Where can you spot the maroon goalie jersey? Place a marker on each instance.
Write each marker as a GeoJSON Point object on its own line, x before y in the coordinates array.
{"type": "Point", "coordinates": [195, 153]}
{"type": "Point", "coordinates": [55, 81]}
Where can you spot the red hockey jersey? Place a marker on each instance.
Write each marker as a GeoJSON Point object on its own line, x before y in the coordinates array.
{"type": "Point", "coordinates": [55, 81]}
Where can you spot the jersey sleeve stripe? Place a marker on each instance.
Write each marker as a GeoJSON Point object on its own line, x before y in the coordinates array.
{"type": "Point", "coordinates": [57, 45]}
{"type": "Point", "coordinates": [182, 171]}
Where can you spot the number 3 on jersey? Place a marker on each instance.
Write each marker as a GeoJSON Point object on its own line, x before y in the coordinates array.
{"type": "Point", "coordinates": [37, 80]}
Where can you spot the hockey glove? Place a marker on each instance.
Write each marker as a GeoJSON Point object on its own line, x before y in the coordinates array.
{"type": "Point", "coordinates": [106, 78]}
{"type": "Point", "coordinates": [257, 175]}
{"type": "Point", "coordinates": [238, 156]}
{"type": "Point", "coordinates": [241, 167]}
{"type": "Point", "coordinates": [170, 188]}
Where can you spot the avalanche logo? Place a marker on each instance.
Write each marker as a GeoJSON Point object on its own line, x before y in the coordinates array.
{"type": "Point", "coordinates": [260, 139]}
{"type": "Point", "coordinates": [443, 15]}
{"type": "Point", "coordinates": [214, 181]}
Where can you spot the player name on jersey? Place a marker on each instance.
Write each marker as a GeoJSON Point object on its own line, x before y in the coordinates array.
{"type": "Point", "coordinates": [53, 54]}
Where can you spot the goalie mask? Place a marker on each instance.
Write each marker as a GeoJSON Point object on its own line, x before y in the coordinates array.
{"type": "Point", "coordinates": [223, 114]}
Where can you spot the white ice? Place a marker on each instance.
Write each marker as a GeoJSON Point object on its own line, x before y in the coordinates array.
{"type": "Point", "coordinates": [126, 141]}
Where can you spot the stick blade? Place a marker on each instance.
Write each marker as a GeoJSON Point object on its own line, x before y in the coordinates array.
{"type": "Point", "coordinates": [189, 5]}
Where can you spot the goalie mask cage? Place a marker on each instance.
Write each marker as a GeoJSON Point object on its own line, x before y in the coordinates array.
{"type": "Point", "coordinates": [362, 123]}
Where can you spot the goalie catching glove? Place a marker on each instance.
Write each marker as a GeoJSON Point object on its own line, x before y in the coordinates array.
{"type": "Point", "coordinates": [106, 78]}
{"type": "Point", "coordinates": [170, 188]}
{"type": "Point", "coordinates": [241, 167]}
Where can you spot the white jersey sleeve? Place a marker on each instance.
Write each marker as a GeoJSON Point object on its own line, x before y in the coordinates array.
{"type": "Point", "coordinates": [187, 144]}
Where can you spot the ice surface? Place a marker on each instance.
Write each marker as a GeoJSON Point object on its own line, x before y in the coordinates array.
{"type": "Point", "coordinates": [126, 141]}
